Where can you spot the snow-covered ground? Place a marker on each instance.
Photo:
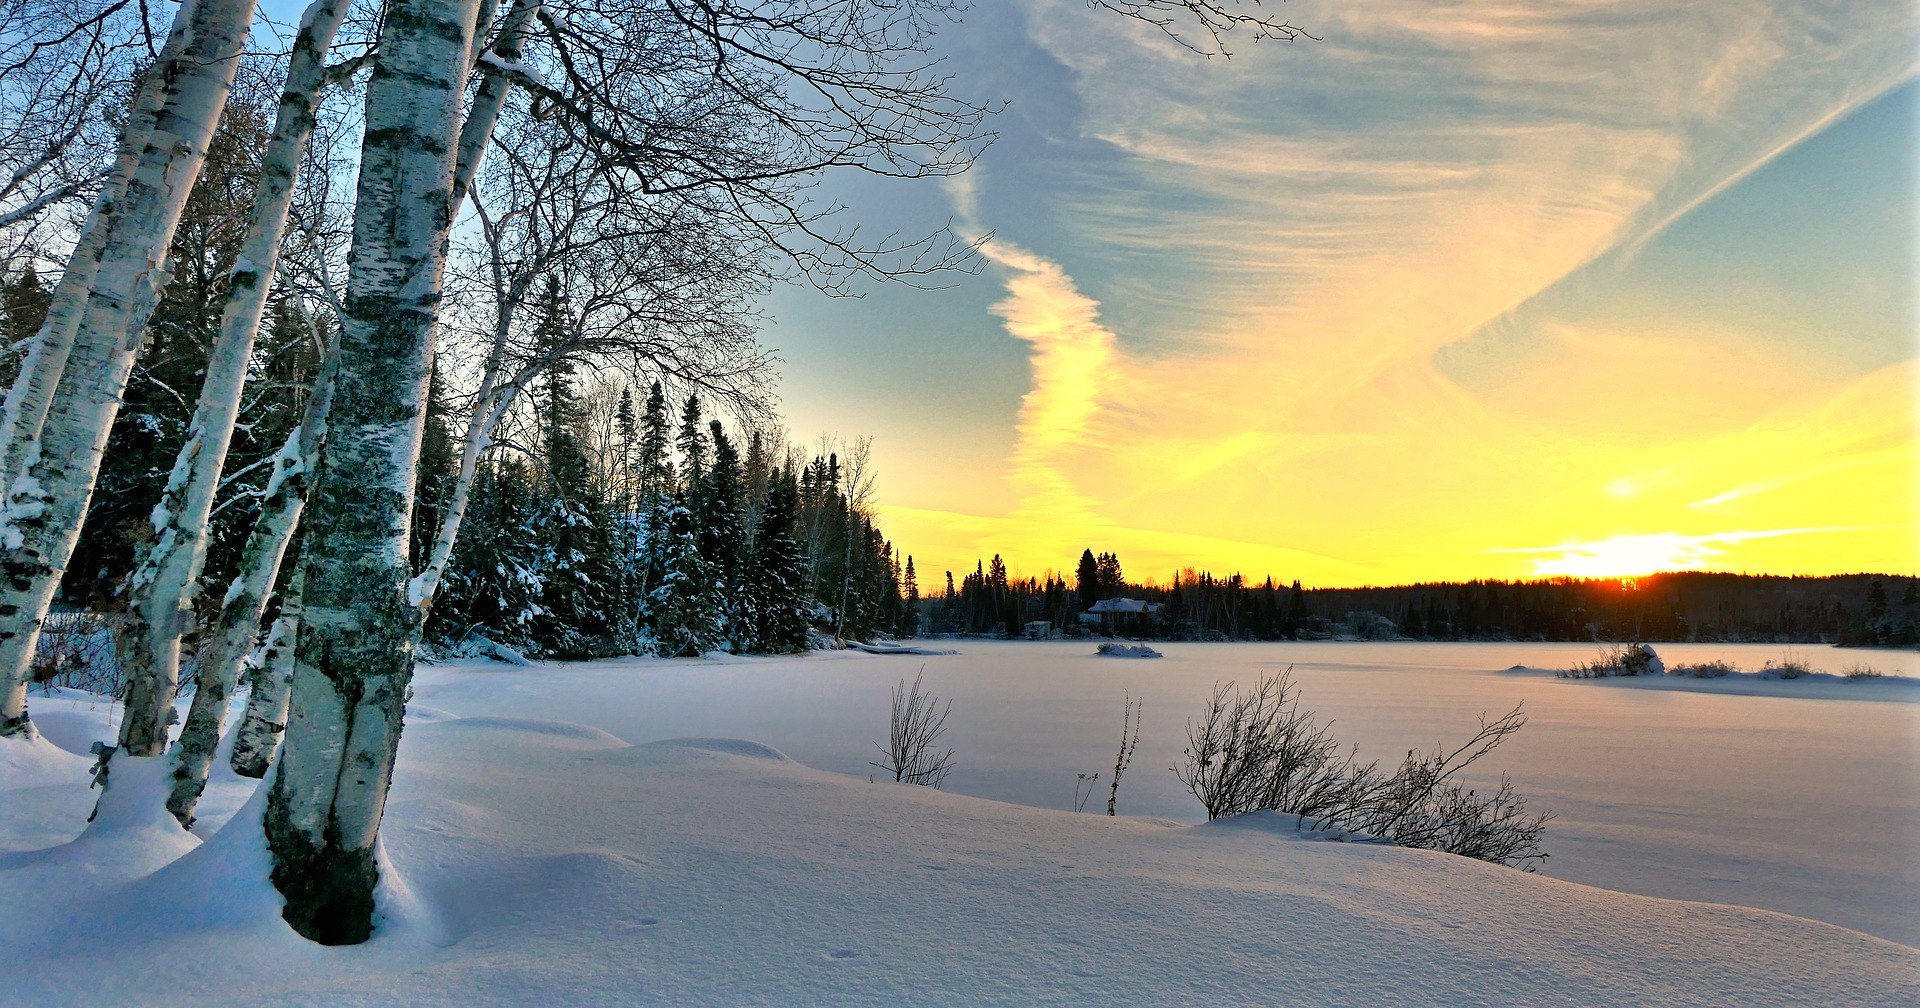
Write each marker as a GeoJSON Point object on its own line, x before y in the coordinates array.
{"type": "Point", "coordinates": [546, 847]}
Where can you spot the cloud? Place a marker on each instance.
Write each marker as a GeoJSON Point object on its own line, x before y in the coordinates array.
{"type": "Point", "coordinates": [1288, 239]}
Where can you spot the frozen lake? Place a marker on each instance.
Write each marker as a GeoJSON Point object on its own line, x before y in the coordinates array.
{"type": "Point", "coordinates": [1806, 802]}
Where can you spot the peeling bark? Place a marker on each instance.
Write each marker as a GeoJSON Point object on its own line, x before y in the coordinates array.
{"type": "Point", "coordinates": [354, 656]}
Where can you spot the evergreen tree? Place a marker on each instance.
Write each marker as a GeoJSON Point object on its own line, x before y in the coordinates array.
{"type": "Point", "coordinates": [655, 466]}
{"type": "Point", "coordinates": [719, 515]}
{"type": "Point", "coordinates": [681, 608]}
{"type": "Point", "coordinates": [23, 304]}
{"type": "Point", "coordinates": [692, 443]}
{"type": "Point", "coordinates": [626, 430]}
{"type": "Point", "coordinates": [1087, 579]}
{"type": "Point", "coordinates": [910, 592]}
{"type": "Point", "coordinates": [494, 584]}
{"type": "Point", "coordinates": [776, 589]}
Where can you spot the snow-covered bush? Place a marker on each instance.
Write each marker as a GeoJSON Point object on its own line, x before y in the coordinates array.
{"type": "Point", "coordinates": [1862, 672]}
{"type": "Point", "coordinates": [1786, 668]}
{"type": "Point", "coordinates": [1621, 660]}
{"type": "Point", "coordinates": [1256, 750]}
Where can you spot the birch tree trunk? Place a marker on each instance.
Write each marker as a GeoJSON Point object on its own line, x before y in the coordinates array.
{"type": "Point", "coordinates": [258, 739]}
{"type": "Point", "coordinates": [163, 584]}
{"type": "Point", "coordinates": [31, 394]}
{"type": "Point", "coordinates": [53, 461]}
{"type": "Point", "coordinates": [234, 630]}
{"type": "Point", "coordinates": [491, 401]}
{"type": "Point", "coordinates": [354, 657]}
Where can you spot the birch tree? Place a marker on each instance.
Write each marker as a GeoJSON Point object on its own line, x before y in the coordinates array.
{"type": "Point", "coordinates": [63, 67]}
{"type": "Point", "coordinates": [354, 655]}
{"type": "Point", "coordinates": [60, 408]}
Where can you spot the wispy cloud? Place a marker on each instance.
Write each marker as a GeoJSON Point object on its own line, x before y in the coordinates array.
{"type": "Point", "coordinates": [1292, 237]}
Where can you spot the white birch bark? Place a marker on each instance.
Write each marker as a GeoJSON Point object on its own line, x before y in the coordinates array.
{"type": "Point", "coordinates": [258, 739]}
{"type": "Point", "coordinates": [53, 463]}
{"type": "Point", "coordinates": [493, 400]}
{"type": "Point", "coordinates": [31, 394]}
{"type": "Point", "coordinates": [234, 630]}
{"type": "Point", "coordinates": [163, 584]}
{"type": "Point", "coordinates": [354, 657]}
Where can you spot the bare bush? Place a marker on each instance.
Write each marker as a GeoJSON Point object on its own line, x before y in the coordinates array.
{"type": "Point", "coordinates": [1862, 672]}
{"type": "Point", "coordinates": [1716, 669]}
{"type": "Point", "coordinates": [76, 651]}
{"type": "Point", "coordinates": [918, 720]}
{"type": "Point", "coordinates": [1789, 667]}
{"type": "Point", "coordinates": [1129, 741]}
{"type": "Point", "coordinates": [1257, 750]}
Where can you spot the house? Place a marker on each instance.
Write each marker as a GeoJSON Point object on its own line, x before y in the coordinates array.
{"type": "Point", "coordinates": [1115, 613]}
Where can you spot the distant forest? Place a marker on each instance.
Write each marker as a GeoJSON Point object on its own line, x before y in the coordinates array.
{"type": "Point", "coordinates": [1854, 609]}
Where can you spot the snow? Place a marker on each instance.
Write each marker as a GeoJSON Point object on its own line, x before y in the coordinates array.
{"type": "Point", "coordinates": [552, 838]}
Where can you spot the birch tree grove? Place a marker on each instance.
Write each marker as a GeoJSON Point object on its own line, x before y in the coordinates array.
{"type": "Point", "coordinates": [61, 407]}
{"type": "Point", "coordinates": [652, 164]}
{"type": "Point", "coordinates": [161, 589]}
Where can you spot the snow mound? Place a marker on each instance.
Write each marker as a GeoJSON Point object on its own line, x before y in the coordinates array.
{"type": "Point", "coordinates": [726, 746]}
{"type": "Point", "coordinates": [1112, 650]}
{"type": "Point", "coordinates": [75, 726]}
{"type": "Point", "coordinates": [557, 733]}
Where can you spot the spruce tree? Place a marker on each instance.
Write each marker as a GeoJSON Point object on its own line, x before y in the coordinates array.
{"type": "Point", "coordinates": [720, 534]}
{"type": "Point", "coordinates": [692, 443]}
{"type": "Point", "coordinates": [681, 608]}
{"type": "Point", "coordinates": [778, 572]}
{"type": "Point", "coordinates": [655, 475]}
{"type": "Point", "coordinates": [910, 590]}
{"type": "Point", "coordinates": [1087, 579]}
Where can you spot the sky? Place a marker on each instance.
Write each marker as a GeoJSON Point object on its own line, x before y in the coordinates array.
{"type": "Point", "coordinates": [1480, 289]}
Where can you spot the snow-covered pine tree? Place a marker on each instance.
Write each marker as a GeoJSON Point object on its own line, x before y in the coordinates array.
{"type": "Point", "coordinates": [777, 573]}
{"type": "Point", "coordinates": [493, 586]}
{"type": "Point", "coordinates": [719, 517]}
{"type": "Point", "coordinates": [682, 611]}
{"type": "Point", "coordinates": [758, 469]}
{"type": "Point", "coordinates": [578, 572]}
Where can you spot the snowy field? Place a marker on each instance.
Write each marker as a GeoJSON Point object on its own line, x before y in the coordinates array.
{"type": "Point", "coordinates": [543, 849]}
{"type": "Point", "coordinates": [1809, 806]}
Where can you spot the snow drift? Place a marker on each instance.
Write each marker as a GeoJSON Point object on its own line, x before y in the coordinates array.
{"type": "Point", "coordinates": [535, 862]}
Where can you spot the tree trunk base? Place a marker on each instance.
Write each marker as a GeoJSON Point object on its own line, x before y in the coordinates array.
{"type": "Point", "coordinates": [329, 892]}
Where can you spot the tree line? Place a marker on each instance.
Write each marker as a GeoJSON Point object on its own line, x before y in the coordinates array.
{"type": "Point", "coordinates": [1848, 609]}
